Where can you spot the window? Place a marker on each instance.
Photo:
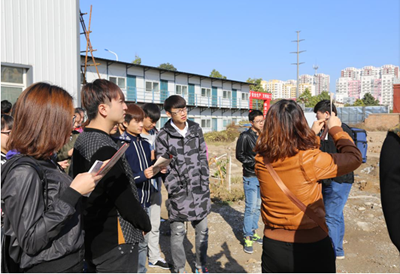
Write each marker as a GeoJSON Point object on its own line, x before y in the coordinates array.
{"type": "Point", "coordinates": [245, 96]}
{"type": "Point", "coordinates": [119, 81]}
{"type": "Point", "coordinates": [181, 90]}
{"type": "Point", "coordinates": [206, 123]}
{"type": "Point", "coordinates": [226, 123]}
{"type": "Point", "coordinates": [227, 94]}
{"type": "Point", "coordinates": [206, 92]}
{"type": "Point", "coordinates": [152, 86]}
{"type": "Point", "coordinates": [13, 82]}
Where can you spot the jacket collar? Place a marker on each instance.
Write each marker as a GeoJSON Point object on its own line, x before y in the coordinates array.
{"type": "Point", "coordinates": [192, 130]}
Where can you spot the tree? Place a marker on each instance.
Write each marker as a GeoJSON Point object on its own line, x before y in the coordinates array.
{"type": "Point", "coordinates": [137, 60]}
{"type": "Point", "coordinates": [215, 73]}
{"type": "Point", "coordinates": [369, 100]}
{"type": "Point", "coordinates": [323, 96]}
{"type": "Point", "coordinates": [167, 66]}
{"type": "Point", "coordinates": [305, 98]}
{"type": "Point", "coordinates": [257, 84]}
{"type": "Point", "coordinates": [359, 103]}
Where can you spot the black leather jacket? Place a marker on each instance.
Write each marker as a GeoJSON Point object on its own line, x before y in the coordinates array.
{"type": "Point", "coordinates": [244, 152]}
{"type": "Point", "coordinates": [329, 146]}
{"type": "Point", "coordinates": [39, 235]}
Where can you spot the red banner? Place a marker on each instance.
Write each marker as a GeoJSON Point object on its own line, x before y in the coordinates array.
{"type": "Point", "coordinates": [261, 96]}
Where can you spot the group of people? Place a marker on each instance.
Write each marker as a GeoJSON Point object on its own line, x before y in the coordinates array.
{"type": "Point", "coordinates": [58, 217]}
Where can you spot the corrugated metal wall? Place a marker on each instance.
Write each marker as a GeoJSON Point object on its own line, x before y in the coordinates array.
{"type": "Point", "coordinates": [43, 34]}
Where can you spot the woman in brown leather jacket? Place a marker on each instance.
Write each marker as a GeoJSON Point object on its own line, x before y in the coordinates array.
{"type": "Point", "coordinates": [293, 242]}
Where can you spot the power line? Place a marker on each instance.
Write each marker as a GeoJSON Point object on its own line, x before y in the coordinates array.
{"type": "Point", "coordinates": [298, 52]}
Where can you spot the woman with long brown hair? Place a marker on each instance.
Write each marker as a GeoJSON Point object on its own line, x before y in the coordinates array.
{"type": "Point", "coordinates": [42, 203]}
{"type": "Point", "coordinates": [296, 240]}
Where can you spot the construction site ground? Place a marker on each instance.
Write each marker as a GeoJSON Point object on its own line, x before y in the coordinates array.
{"type": "Point", "coordinates": [366, 243]}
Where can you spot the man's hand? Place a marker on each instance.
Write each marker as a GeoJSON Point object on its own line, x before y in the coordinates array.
{"type": "Point", "coordinates": [149, 172]}
{"type": "Point", "coordinates": [64, 164]}
{"type": "Point", "coordinates": [317, 125]}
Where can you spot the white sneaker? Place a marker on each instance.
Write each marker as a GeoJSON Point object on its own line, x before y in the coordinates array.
{"type": "Point", "coordinates": [340, 257]}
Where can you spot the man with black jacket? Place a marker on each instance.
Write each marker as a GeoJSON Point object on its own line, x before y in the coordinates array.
{"type": "Point", "coordinates": [114, 220]}
{"type": "Point", "coordinates": [335, 191]}
{"type": "Point", "coordinates": [245, 155]}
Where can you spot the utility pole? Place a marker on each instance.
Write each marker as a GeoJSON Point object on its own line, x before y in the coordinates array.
{"type": "Point", "coordinates": [298, 52]}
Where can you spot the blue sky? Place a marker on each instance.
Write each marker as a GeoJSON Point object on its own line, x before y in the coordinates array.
{"type": "Point", "coordinates": [243, 39]}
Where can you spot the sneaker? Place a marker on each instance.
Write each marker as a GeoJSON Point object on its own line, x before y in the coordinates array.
{"type": "Point", "coordinates": [160, 264]}
{"type": "Point", "coordinates": [339, 257]}
{"type": "Point", "coordinates": [248, 245]}
{"type": "Point", "coordinates": [257, 239]}
{"type": "Point", "coordinates": [202, 270]}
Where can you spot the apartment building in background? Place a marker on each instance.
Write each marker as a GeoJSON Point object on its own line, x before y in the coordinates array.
{"type": "Point", "coordinates": [316, 84]}
{"type": "Point", "coordinates": [378, 81]}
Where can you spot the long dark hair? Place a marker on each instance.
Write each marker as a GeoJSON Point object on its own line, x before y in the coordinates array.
{"type": "Point", "coordinates": [285, 132]}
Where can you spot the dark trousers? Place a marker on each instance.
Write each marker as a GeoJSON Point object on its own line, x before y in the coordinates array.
{"type": "Point", "coordinates": [318, 257]}
{"type": "Point", "coordinates": [121, 259]}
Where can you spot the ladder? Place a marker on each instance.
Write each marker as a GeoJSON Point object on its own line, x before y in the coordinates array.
{"type": "Point", "coordinates": [89, 47]}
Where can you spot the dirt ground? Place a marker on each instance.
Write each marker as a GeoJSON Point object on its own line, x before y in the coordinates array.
{"type": "Point", "coordinates": [366, 243]}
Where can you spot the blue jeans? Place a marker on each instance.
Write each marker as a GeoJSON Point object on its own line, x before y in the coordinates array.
{"type": "Point", "coordinates": [335, 197]}
{"type": "Point", "coordinates": [251, 188]}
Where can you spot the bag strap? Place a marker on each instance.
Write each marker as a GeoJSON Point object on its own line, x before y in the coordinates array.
{"type": "Point", "coordinates": [21, 159]}
{"type": "Point", "coordinates": [310, 213]}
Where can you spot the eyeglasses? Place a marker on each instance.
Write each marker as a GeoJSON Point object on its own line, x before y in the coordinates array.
{"type": "Point", "coordinates": [259, 121]}
{"type": "Point", "coordinates": [6, 132]}
{"type": "Point", "coordinates": [73, 120]}
{"type": "Point", "coordinates": [180, 111]}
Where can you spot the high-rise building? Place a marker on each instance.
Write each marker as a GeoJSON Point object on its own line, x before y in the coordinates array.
{"type": "Point", "coordinates": [321, 83]}
{"type": "Point", "coordinates": [355, 83]}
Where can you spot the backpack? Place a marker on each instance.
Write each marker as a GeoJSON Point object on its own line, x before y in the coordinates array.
{"type": "Point", "coordinates": [8, 265]}
{"type": "Point", "coordinates": [360, 139]}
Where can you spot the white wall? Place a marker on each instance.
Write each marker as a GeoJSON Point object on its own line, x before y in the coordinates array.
{"type": "Point", "coordinates": [44, 36]}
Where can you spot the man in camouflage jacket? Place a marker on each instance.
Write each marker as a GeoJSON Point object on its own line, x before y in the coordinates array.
{"type": "Point", "coordinates": [187, 180]}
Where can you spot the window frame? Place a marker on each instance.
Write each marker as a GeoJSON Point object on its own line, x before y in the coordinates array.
{"type": "Point", "coordinates": [22, 85]}
{"type": "Point", "coordinates": [207, 123]}
{"type": "Point", "coordinates": [207, 91]}
{"type": "Point", "coordinates": [152, 86]}
{"type": "Point", "coordinates": [117, 79]}
{"type": "Point", "coordinates": [181, 92]}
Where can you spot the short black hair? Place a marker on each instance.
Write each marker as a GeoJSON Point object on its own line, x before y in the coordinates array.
{"type": "Point", "coordinates": [6, 107]}
{"type": "Point", "coordinates": [254, 113]}
{"type": "Point", "coordinates": [152, 111]}
{"type": "Point", "coordinates": [174, 101]}
{"type": "Point", "coordinates": [325, 106]}
{"type": "Point", "coordinates": [133, 111]}
{"type": "Point", "coordinates": [6, 122]}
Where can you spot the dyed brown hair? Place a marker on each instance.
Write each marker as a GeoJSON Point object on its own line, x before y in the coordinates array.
{"type": "Point", "coordinates": [285, 132]}
{"type": "Point", "coordinates": [42, 120]}
{"type": "Point", "coordinates": [98, 92]}
{"type": "Point", "coordinates": [134, 112]}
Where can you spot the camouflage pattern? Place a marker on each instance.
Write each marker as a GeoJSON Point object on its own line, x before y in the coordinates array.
{"type": "Point", "coordinates": [187, 179]}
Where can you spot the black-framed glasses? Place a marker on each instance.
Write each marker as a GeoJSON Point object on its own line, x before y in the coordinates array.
{"type": "Point", "coordinates": [73, 120]}
{"type": "Point", "coordinates": [259, 121]}
{"type": "Point", "coordinates": [6, 132]}
{"type": "Point", "coordinates": [179, 111]}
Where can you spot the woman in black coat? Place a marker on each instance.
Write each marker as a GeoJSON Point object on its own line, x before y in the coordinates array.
{"type": "Point", "coordinates": [41, 203]}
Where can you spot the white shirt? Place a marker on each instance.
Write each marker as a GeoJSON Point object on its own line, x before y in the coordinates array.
{"type": "Point", "coordinates": [181, 131]}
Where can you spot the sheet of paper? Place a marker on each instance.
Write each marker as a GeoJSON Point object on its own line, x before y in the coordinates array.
{"type": "Point", "coordinates": [160, 163]}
